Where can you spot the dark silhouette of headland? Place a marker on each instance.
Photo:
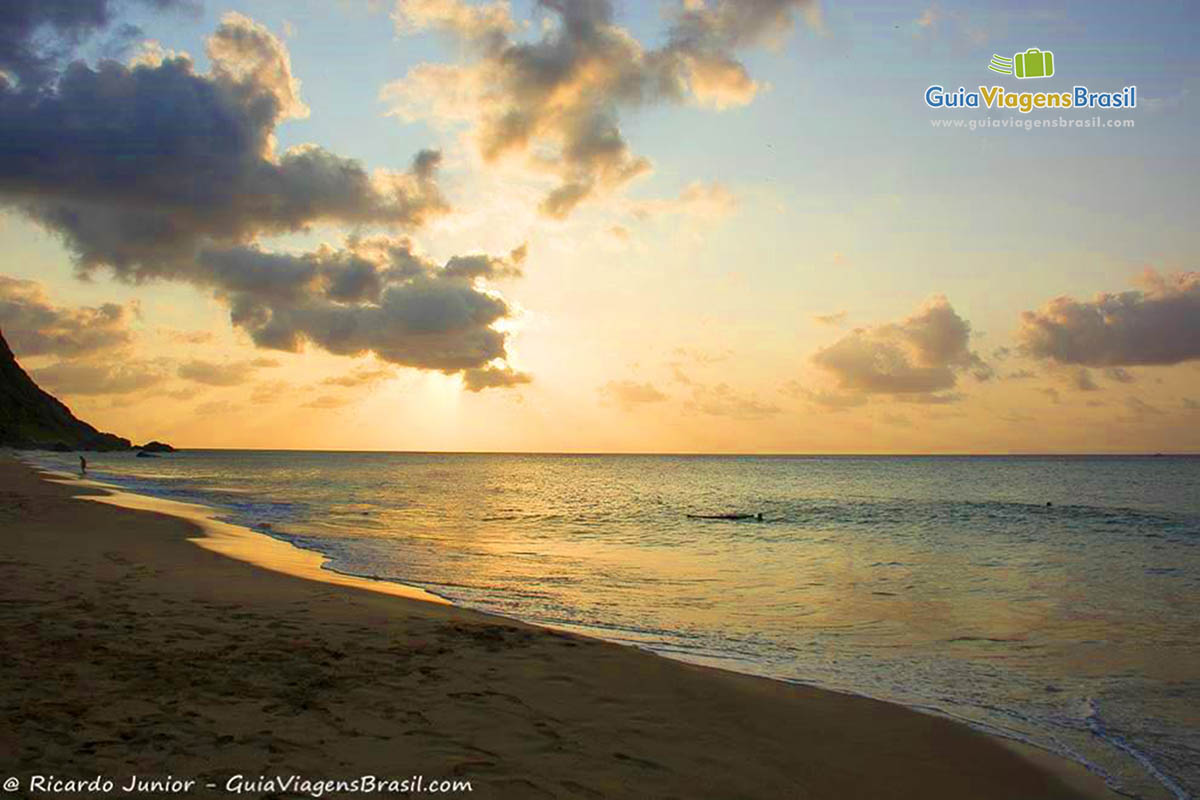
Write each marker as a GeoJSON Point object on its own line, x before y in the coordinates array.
{"type": "Point", "coordinates": [33, 419]}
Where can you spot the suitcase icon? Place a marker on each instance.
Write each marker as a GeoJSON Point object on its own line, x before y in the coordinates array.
{"type": "Point", "coordinates": [1034, 63]}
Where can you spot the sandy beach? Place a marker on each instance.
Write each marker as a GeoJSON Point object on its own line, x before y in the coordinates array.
{"type": "Point", "coordinates": [131, 651]}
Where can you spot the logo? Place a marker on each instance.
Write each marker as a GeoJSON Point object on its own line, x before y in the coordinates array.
{"type": "Point", "coordinates": [1033, 63]}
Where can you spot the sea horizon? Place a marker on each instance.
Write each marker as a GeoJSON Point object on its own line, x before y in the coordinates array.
{"type": "Point", "coordinates": [684, 453]}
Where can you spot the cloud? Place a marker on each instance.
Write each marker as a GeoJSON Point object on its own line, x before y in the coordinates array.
{"type": "Point", "coordinates": [484, 266]}
{"type": "Point", "coordinates": [186, 393]}
{"type": "Point", "coordinates": [140, 169]}
{"type": "Point", "coordinates": [189, 337]}
{"type": "Point", "coordinates": [918, 357]}
{"type": "Point", "coordinates": [34, 326]}
{"type": "Point", "coordinates": [363, 376]}
{"type": "Point", "coordinates": [703, 356]}
{"type": "Point", "coordinates": [267, 392]}
{"type": "Point", "coordinates": [477, 379]}
{"type": "Point", "coordinates": [1141, 409]}
{"type": "Point", "coordinates": [1157, 325]}
{"type": "Point", "coordinates": [700, 200]}
{"type": "Point", "coordinates": [210, 373]}
{"type": "Point", "coordinates": [722, 401]}
{"type": "Point", "coordinates": [153, 171]}
{"type": "Point", "coordinates": [327, 401]}
{"type": "Point", "coordinates": [1172, 102]}
{"type": "Point", "coordinates": [556, 101]}
{"type": "Point", "coordinates": [1119, 375]}
{"type": "Point", "coordinates": [36, 35]}
{"type": "Point", "coordinates": [1082, 380]}
{"type": "Point", "coordinates": [955, 26]}
{"type": "Point", "coordinates": [216, 408]}
{"type": "Point", "coordinates": [836, 401]}
{"type": "Point", "coordinates": [945, 398]}
{"type": "Point", "coordinates": [374, 296]}
{"type": "Point", "coordinates": [487, 25]}
{"type": "Point", "coordinates": [81, 378]}
{"type": "Point", "coordinates": [629, 394]}
{"type": "Point", "coordinates": [834, 319]}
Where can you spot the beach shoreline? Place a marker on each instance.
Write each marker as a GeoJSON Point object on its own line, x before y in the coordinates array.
{"type": "Point", "coordinates": [261, 666]}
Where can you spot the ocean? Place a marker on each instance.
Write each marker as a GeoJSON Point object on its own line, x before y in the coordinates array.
{"type": "Point", "coordinates": [1052, 600]}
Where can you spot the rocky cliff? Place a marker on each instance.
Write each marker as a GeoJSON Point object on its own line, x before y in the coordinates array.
{"type": "Point", "coordinates": [33, 419]}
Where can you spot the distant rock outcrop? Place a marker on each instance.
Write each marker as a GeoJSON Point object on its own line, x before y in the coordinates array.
{"type": "Point", "coordinates": [156, 447]}
{"type": "Point", "coordinates": [33, 419]}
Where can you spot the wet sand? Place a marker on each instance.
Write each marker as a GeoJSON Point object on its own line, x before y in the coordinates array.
{"type": "Point", "coordinates": [130, 650]}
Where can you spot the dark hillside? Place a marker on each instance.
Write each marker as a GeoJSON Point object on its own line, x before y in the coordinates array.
{"type": "Point", "coordinates": [31, 418]}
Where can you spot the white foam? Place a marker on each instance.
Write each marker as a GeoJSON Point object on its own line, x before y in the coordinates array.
{"type": "Point", "coordinates": [1096, 724]}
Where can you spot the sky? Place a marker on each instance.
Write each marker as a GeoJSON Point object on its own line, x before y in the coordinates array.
{"type": "Point", "coordinates": [593, 226]}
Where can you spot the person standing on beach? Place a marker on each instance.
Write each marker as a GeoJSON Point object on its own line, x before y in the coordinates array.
{"type": "Point", "coordinates": [82, 465]}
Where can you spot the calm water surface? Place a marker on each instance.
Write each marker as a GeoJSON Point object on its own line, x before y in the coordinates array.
{"type": "Point", "coordinates": [1049, 599]}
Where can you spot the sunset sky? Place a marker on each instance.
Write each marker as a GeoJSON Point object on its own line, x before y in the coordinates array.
{"type": "Point", "coordinates": [583, 225]}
